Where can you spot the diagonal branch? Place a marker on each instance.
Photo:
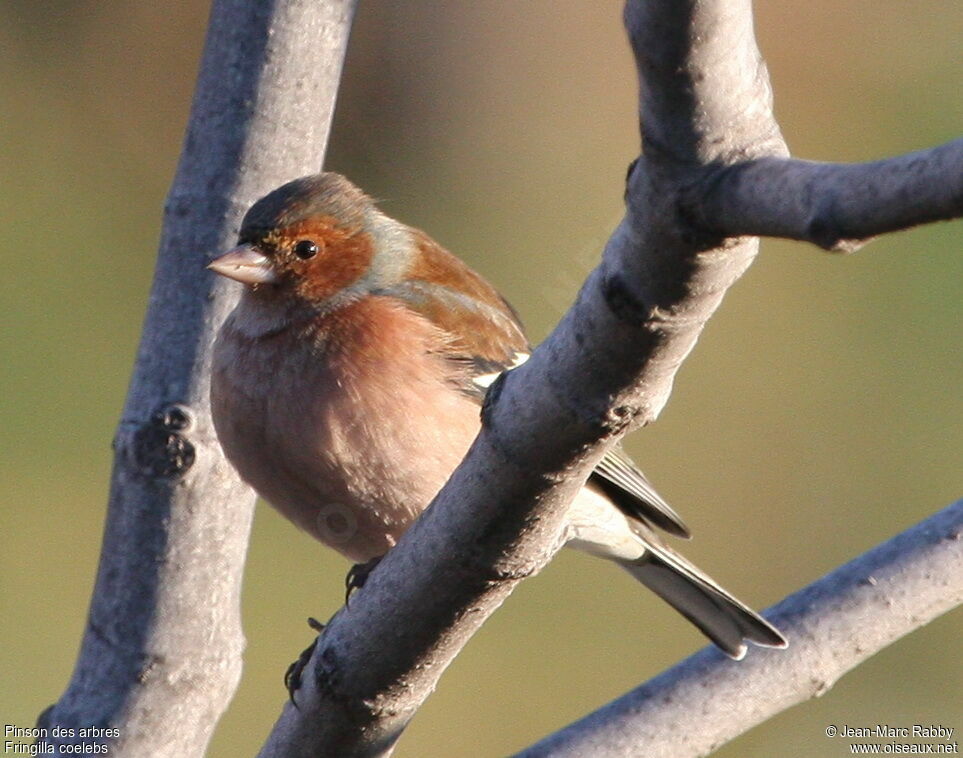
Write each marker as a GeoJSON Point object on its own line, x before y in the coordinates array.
{"type": "Point", "coordinates": [163, 640]}
{"type": "Point", "coordinates": [606, 368]}
{"type": "Point", "coordinates": [901, 585]}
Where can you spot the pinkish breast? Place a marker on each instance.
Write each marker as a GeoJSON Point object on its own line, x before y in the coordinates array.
{"type": "Point", "coordinates": [346, 424]}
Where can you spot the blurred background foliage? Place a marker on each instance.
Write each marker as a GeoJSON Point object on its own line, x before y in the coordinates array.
{"type": "Point", "coordinates": [820, 414]}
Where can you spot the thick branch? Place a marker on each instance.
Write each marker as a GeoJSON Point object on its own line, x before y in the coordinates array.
{"type": "Point", "coordinates": [606, 368]}
{"type": "Point", "coordinates": [838, 207]}
{"type": "Point", "coordinates": [901, 585]}
{"type": "Point", "coordinates": [160, 658]}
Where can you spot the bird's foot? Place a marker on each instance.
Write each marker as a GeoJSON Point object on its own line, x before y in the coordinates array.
{"type": "Point", "coordinates": [357, 575]}
{"type": "Point", "coordinates": [292, 677]}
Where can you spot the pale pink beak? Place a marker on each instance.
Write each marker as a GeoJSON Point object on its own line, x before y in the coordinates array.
{"type": "Point", "coordinates": [246, 265]}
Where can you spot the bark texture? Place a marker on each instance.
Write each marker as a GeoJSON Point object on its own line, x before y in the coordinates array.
{"type": "Point", "coordinates": [161, 654]}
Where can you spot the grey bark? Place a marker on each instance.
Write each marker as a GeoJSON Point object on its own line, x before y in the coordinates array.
{"type": "Point", "coordinates": [161, 653]}
{"type": "Point", "coordinates": [838, 207]}
{"type": "Point", "coordinates": [834, 624]}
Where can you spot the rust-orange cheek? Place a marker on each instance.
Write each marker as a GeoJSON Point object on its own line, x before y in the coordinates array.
{"type": "Point", "coordinates": [344, 256]}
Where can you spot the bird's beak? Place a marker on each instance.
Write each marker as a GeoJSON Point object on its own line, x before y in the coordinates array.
{"type": "Point", "coordinates": [246, 265]}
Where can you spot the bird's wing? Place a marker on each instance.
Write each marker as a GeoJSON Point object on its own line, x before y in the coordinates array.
{"type": "Point", "coordinates": [484, 338]}
{"type": "Point", "coordinates": [483, 335]}
{"type": "Point", "coordinates": [621, 479]}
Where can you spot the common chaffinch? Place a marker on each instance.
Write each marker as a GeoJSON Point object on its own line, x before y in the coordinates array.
{"type": "Point", "coordinates": [347, 383]}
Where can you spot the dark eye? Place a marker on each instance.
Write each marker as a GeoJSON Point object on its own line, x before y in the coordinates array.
{"type": "Point", "coordinates": [305, 249]}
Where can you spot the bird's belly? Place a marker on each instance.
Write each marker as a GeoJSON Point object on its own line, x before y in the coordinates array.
{"type": "Point", "coordinates": [345, 460]}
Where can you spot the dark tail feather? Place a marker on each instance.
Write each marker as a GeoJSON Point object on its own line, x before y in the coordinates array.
{"type": "Point", "coordinates": [721, 617]}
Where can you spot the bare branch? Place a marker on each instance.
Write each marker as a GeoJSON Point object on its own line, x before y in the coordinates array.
{"type": "Point", "coordinates": [163, 638]}
{"type": "Point", "coordinates": [838, 207]}
{"type": "Point", "coordinates": [901, 585]}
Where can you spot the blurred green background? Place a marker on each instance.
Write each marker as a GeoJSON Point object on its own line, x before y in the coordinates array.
{"type": "Point", "coordinates": [820, 414]}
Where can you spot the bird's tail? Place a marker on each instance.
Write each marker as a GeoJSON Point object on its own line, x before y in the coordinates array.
{"type": "Point", "coordinates": [725, 620]}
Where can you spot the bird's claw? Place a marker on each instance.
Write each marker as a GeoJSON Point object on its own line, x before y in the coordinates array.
{"type": "Point", "coordinates": [357, 575]}
{"type": "Point", "coordinates": [292, 677]}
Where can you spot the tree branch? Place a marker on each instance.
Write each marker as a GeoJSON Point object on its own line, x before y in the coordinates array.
{"type": "Point", "coordinates": [163, 640]}
{"type": "Point", "coordinates": [838, 207]}
{"type": "Point", "coordinates": [901, 585]}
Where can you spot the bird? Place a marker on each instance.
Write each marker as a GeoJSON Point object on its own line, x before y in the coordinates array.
{"type": "Point", "coordinates": [347, 383]}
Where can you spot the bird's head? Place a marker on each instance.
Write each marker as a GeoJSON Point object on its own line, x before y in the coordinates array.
{"type": "Point", "coordinates": [309, 239]}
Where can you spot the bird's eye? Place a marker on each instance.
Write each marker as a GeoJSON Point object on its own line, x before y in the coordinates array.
{"type": "Point", "coordinates": [305, 249]}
